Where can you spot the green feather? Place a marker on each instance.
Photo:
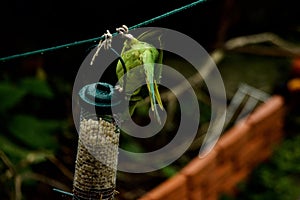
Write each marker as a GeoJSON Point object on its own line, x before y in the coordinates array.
{"type": "Point", "coordinates": [137, 52]}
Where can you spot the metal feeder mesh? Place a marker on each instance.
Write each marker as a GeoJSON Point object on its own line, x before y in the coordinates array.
{"type": "Point", "coordinates": [96, 162]}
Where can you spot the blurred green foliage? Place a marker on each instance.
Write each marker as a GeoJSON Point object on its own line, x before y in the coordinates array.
{"type": "Point", "coordinates": [27, 136]}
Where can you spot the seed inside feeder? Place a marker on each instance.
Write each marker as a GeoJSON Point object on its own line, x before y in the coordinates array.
{"type": "Point", "coordinates": [96, 163]}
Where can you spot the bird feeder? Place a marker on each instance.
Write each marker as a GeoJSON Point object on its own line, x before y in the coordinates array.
{"type": "Point", "coordinates": [97, 153]}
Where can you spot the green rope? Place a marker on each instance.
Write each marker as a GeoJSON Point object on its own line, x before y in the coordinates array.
{"type": "Point", "coordinates": [41, 51]}
{"type": "Point", "coordinates": [166, 14]}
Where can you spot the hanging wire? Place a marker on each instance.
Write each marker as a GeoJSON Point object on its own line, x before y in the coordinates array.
{"type": "Point", "coordinates": [41, 51]}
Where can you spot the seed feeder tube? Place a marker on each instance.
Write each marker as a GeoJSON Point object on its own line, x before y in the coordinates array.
{"type": "Point", "coordinates": [97, 153]}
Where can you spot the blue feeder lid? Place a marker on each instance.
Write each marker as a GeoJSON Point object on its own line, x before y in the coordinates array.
{"type": "Point", "coordinates": [98, 96]}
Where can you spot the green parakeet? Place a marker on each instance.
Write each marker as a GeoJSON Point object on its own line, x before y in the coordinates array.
{"type": "Point", "coordinates": [136, 53]}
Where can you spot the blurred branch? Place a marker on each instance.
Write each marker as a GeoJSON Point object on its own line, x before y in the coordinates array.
{"type": "Point", "coordinates": [46, 180]}
{"type": "Point", "coordinates": [61, 167]}
{"type": "Point", "coordinates": [265, 51]}
{"type": "Point", "coordinates": [9, 174]}
{"type": "Point", "coordinates": [18, 186]}
{"type": "Point", "coordinates": [281, 46]}
{"type": "Point", "coordinates": [35, 157]}
{"type": "Point", "coordinates": [8, 164]}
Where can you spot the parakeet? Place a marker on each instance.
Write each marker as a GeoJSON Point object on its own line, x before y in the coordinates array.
{"type": "Point", "coordinates": [136, 53]}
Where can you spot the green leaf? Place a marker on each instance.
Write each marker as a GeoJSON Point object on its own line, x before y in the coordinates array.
{"type": "Point", "coordinates": [36, 133]}
{"type": "Point", "coordinates": [10, 95]}
{"type": "Point", "coordinates": [37, 87]}
{"type": "Point", "coordinates": [169, 171]}
{"type": "Point", "coordinates": [13, 151]}
{"type": "Point", "coordinates": [132, 146]}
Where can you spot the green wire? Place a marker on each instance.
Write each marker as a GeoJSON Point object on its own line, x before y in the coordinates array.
{"type": "Point", "coordinates": [41, 51]}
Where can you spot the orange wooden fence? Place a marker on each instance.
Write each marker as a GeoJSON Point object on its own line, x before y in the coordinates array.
{"type": "Point", "coordinates": [237, 152]}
